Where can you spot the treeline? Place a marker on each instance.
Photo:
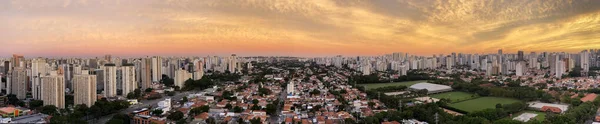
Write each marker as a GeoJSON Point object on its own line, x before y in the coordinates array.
{"type": "Point", "coordinates": [575, 115]}
{"type": "Point", "coordinates": [427, 113]}
{"type": "Point", "coordinates": [518, 92]}
{"type": "Point", "coordinates": [374, 78]}
{"type": "Point", "coordinates": [201, 84]}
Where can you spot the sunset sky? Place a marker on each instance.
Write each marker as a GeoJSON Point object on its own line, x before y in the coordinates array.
{"type": "Point", "coordinates": [294, 27]}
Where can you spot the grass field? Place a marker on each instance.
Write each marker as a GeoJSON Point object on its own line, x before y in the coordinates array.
{"type": "Point", "coordinates": [378, 85]}
{"type": "Point", "coordinates": [482, 103]}
{"type": "Point", "coordinates": [541, 116]}
{"type": "Point", "coordinates": [456, 96]}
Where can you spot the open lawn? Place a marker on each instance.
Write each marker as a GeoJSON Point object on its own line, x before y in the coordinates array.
{"type": "Point", "coordinates": [482, 103]}
{"type": "Point", "coordinates": [455, 96]}
{"type": "Point", "coordinates": [404, 83]}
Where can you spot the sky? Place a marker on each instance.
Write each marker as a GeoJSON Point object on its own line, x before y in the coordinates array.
{"type": "Point", "coordinates": [294, 27]}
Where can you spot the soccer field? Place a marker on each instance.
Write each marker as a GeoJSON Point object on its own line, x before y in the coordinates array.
{"type": "Point", "coordinates": [482, 103]}
{"type": "Point", "coordinates": [404, 83]}
{"type": "Point", "coordinates": [456, 96]}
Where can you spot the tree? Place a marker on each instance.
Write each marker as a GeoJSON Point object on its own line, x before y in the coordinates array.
{"type": "Point", "coordinates": [237, 109]}
{"type": "Point", "coordinates": [184, 99]}
{"type": "Point", "coordinates": [271, 109]}
{"type": "Point", "coordinates": [50, 110]}
{"type": "Point", "coordinates": [371, 104]}
{"type": "Point", "coordinates": [137, 92]}
{"type": "Point", "coordinates": [228, 106]}
{"type": "Point", "coordinates": [34, 104]}
{"type": "Point", "coordinates": [131, 95]}
{"type": "Point", "coordinates": [115, 121]}
{"type": "Point", "coordinates": [175, 115]}
{"type": "Point", "coordinates": [255, 101]}
{"type": "Point", "coordinates": [166, 80]}
{"type": "Point", "coordinates": [255, 107]}
{"type": "Point", "coordinates": [263, 91]}
{"type": "Point", "coordinates": [198, 110]}
{"type": "Point", "coordinates": [120, 119]}
{"type": "Point", "coordinates": [13, 100]}
{"type": "Point", "coordinates": [315, 92]}
{"type": "Point", "coordinates": [157, 112]}
{"type": "Point", "coordinates": [255, 121]}
{"type": "Point", "coordinates": [148, 90]}
{"type": "Point", "coordinates": [169, 93]}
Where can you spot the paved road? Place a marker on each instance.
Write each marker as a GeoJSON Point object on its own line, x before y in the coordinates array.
{"type": "Point", "coordinates": [278, 117]}
{"type": "Point", "coordinates": [145, 103]}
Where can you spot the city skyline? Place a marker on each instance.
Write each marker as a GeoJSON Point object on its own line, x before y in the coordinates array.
{"type": "Point", "coordinates": [81, 28]}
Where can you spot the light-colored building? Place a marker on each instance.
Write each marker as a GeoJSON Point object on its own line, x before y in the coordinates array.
{"type": "Point", "coordinates": [53, 90]}
{"type": "Point", "coordinates": [181, 76]}
{"type": "Point", "coordinates": [585, 61]}
{"type": "Point", "coordinates": [290, 88]}
{"type": "Point", "coordinates": [146, 73]}
{"type": "Point", "coordinates": [110, 80]}
{"type": "Point", "coordinates": [39, 68]}
{"type": "Point", "coordinates": [128, 83]}
{"type": "Point", "coordinates": [85, 89]}
{"type": "Point", "coordinates": [232, 63]}
{"type": "Point", "coordinates": [17, 82]}
{"type": "Point", "coordinates": [520, 68]}
{"type": "Point", "coordinates": [156, 68]}
{"type": "Point", "coordinates": [431, 88]}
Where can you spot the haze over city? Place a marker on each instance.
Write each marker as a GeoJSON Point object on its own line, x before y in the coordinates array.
{"type": "Point", "coordinates": [300, 61]}
{"type": "Point", "coordinates": [84, 28]}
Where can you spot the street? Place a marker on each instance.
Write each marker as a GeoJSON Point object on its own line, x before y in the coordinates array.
{"type": "Point", "coordinates": [275, 119]}
{"type": "Point", "coordinates": [145, 103]}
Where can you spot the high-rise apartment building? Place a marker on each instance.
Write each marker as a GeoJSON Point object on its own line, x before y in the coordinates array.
{"type": "Point", "coordinates": [146, 73]}
{"type": "Point", "coordinates": [53, 90]}
{"type": "Point", "coordinates": [85, 89]}
{"type": "Point", "coordinates": [17, 84]}
{"type": "Point", "coordinates": [585, 62]}
{"type": "Point", "coordinates": [157, 68]}
{"type": "Point", "coordinates": [232, 63]}
{"type": "Point", "coordinates": [39, 68]}
{"type": "Point", "coordinates": [110, 80]}
{"type": "Point", "coordinates": [127, 76]}
{"type": "Point", "coordinates": [181, 76]}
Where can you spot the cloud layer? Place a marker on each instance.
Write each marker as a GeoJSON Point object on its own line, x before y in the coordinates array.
{"type": "Point", "coordinates": [295, 27]}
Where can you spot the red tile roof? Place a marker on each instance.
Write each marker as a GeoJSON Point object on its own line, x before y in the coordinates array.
{"type": "Point", "coordinates": [589, 97]}
{"type": "Point", "coordinates": [552, 109]}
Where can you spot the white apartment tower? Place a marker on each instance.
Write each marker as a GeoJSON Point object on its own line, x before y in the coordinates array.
{"type": "Point", "coordinates": [53, 90]}
{"type": "Point", "coordinates": [290, 88]}
{"type": "Point", "coordinates": [128, 79]}
{"type": "Point", "coordinates": [39, 68]}
{"type": "Point", "coordinates": [156, 68]}
{"type": "Point", "coordinates": [85, 89]}
{"type": "Point", "coordinates": [232, 64]}
{"type": "Point", "coordinates": [17, 84]}
{"type": "Point", "coordinates": [181, 76]}
{"type": "Point", "coordinates": [110, 80]}
{"type": "Point", "coordinates": [585, 61]}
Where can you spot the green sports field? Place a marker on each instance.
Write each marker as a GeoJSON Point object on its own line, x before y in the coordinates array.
{"type": "Point", "coordinates": [455, 96]}
{"type": "Point", "coordinates": [404, 83]}
{"type": "Point", "coordinates": [481, 103]}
